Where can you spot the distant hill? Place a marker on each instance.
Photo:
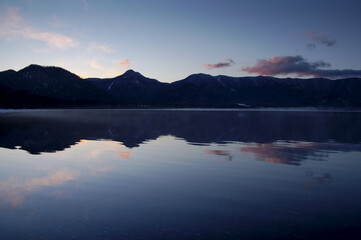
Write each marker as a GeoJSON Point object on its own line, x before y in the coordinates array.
{"type": "Point", "coordinates": [131, 88]}
{"type": "Point", "coordinates": [51, 82]}
{"type": "Point", "coordinates": [38, 86]}
{"type": "Point", "coordinates": [261, 91]}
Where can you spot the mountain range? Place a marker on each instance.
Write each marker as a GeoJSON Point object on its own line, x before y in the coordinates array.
{"type": "Point", "coordinates": [43, 87]}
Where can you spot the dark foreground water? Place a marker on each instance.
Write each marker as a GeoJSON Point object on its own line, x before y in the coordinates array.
{"type": "Point", "coordinates": [123, 174]}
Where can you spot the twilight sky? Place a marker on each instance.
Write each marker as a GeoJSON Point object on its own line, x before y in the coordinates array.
{"type": "Point", "coordinates": [171, 39]}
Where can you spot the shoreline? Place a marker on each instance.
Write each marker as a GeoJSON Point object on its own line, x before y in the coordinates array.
{"type": "Point", "coordinates": [271, 109]}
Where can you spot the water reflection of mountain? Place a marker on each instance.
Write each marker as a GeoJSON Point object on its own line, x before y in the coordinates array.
{"type": "Point", "coordinates": [48, 131]}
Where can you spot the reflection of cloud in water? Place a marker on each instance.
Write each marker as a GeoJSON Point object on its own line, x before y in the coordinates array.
{"type": "Point", "coordinates": [124, 154]}
{"type": "Point", "coordinates": [97, 157]}
{"type": "Point", "coordinates": [14, 192]}
{"type": "Point", "coordinates": [225, 155]}
{"type": "Point", "coordinates": [107, 146]}
{"type": "Point", "coordinates": [285, 152]}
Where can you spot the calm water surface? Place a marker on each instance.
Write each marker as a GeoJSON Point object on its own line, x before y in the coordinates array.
{"type": "Point", "coordinates": [132, 174]}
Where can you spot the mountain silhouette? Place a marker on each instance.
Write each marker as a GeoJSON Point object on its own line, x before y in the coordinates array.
{"type": "Point", "coordinates": [52, 83]}
{"type": "Point", "coordinates": [38, 86]}
{"type": "Point", "coordinates": [131, 87]}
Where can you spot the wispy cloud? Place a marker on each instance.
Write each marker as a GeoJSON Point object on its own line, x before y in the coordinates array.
{"type": "Point", "coordinates": [94, 64]}
{"type": "Point", "coordinates": [104, 71]}
{"type": "Point", "coordinates": [125, 63]}
{"type": "Point", "coordinates": [12, 26]}
{"type": "Point", "coordinates": [85, 4]}
{"type": "Point", "coordinates": [15, 192]}
{"type": "Point", "coordinates": [53, 39]}
{"type": "Point", "coordinates": [227, 63]}
{"type": "Point", "coordinates": [99, 47]}
{"type": "Point", "coordinates": [322, 39]}
{"type": "Point", "coordinates": [298, 65]}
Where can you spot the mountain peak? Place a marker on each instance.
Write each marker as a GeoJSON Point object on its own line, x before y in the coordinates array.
{"type": "Point", "coordinates": [203, 75]}
{"type": "Point", "coordinates": [199, 77]}
{"type": "Point", "coordinates": [36, 67]}
{"type": "Point", "coordinates": [32, 67]}
{"type": "Point", "coordinates": [10, 71]}
{"type": "Point", "coordinates": [46, 74]}
{"type": "Point", "coordinates": [132, 73]}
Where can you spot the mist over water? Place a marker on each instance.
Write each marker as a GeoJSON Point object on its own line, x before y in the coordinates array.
{"type": "Point", "coordinates": [161, 174]}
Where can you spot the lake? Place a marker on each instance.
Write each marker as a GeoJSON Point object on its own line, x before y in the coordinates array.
{"type": "Point", "coordinates": [180, 174]}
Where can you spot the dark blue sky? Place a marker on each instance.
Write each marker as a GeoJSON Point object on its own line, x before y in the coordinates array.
{"type": "Point", "coordinates": [169, 40]}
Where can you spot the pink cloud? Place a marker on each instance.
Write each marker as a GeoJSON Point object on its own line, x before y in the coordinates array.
{"type": "Point", "coordinates": [284, 65]}
{"type": "Point", "coordinates": [13, 26]}
{"type": "Point", "coordinates": [228, 62]}
{"type": "Point", "coordinates": [322, 39]}
{"type": "Point", "coordinates": [125, 63]}
{"type": "Point", "coordinates": [53, 39]}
